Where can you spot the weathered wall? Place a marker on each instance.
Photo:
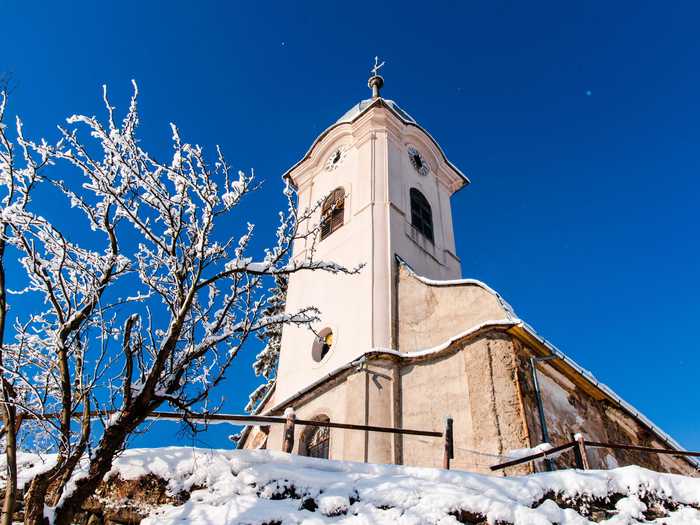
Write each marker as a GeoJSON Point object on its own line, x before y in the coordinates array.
{"type": "Point", "coordinates": [429, 315]}
{"type": "Point", "coordinates": [569, 409]}
{"type": "Point", "coordinates": [474, 381]}
{"type": "Point", "coordinates": [328, 400]}
{"type": "Point", "coordinates": [476, 385]}
{"type": "Point", "coordinates": [485, 384]}
{"type": "Point", "coordinates": [497, 409]}
{"type": "Point", "coordinates": [363, 396]}
{"type": "Point", "coordinates": [432, 390]}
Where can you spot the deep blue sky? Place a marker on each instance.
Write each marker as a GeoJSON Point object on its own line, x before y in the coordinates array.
{"type": "Point", "coordinates": [578, 124]}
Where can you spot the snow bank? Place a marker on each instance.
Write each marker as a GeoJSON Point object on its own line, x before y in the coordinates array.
{"type": "Point", "coordinates": [230, 487]}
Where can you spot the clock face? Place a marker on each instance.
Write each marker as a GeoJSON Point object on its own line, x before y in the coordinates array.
{"type": "Point", "coordinates": [418, 162]}
{"type": "Point", "coordinates": [335, 159]}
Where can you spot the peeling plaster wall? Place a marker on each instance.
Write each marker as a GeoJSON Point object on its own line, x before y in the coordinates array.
{"type": "Point", "coordinates": [569, 409]}
{"type": "Point", "coordinates": [496, 406]}
{"type": "Point", "coordinates": [485, 384]}
{"type": "Point", "coordinates": [476, 385]}
{"type": "Point", "coordinates": [474, 382]}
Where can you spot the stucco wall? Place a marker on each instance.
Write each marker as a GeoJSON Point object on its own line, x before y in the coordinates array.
{"type": "Point", "coordinates": [335, 295]}
{"type": "Point", "coordinates": [376, 174]}
{"type": "Point", "coordinates": [429, 314]}
{"type": "Point", "coordinates": [435, 259]}
{"type": "Point", "coordinates": [329, 400]}
{"type": "Point", "coordinates": [363, 396]}
{"type": "Point", "coordinates": [475, 385]}
{"type": "Point", "coordinates": [570, 409]}
{"type": "Point", "coordinates": [473, 382]}
{"type": "Point", "coordinates": [484, 383]}
{"type": "Point", "coordinates": [432, 390]}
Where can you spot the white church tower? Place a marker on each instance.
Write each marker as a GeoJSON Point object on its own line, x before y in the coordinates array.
{"type": "Point", "coordinates": [388, 184]}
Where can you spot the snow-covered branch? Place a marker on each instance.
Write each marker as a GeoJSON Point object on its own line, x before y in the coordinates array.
{"type": "Point", "coordinates": [149, 299]}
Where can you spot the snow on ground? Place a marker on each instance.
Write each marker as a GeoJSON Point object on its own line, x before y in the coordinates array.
{"type": "Point", "coordinates": [230, 487]}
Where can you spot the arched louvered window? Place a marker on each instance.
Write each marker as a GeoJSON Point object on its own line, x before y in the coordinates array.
{"type": "Point", "coordinates": [315, 441]}
{"type": "Point", "coordinates": [332, 212]}
{"type": "Point", "coordinates": [421, 214]}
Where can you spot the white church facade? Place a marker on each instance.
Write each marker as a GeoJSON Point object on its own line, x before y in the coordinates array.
{"type": "Point", "coordinates": [407, 341]}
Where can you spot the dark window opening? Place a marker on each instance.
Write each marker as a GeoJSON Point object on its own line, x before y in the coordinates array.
{"type": "Point", "coordinates": [316, 440]}
{"type": "Point", "coordinates": [323, 343]}
{"type": "Point", "coordinates": [332, 212]}
{"type": "Point", "coordinates": [421, 215]}
{"type": "Point", "coordinates": [326, 343]}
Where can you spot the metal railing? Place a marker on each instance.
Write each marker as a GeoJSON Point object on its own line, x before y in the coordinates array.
{"type": "Point", "coordinates": [580, 445]}
{"type": "Point", "coordinates": [290, 421]}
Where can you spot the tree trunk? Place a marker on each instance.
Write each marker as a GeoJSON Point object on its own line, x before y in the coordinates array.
{"type": "Point", "coordinates": [8, 411]}
{"type": "Point", "coordinates": [110, 444]}
{"type": "Point", "coordinates": [46, 489]}
{"type": "Point", "coordinates": [8, 508]}
{"type": "Point", "coordinates": [35, 498]}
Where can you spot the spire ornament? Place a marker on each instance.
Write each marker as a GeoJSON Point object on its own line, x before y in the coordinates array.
{"type": "Point", "coordinates": [376, 81]}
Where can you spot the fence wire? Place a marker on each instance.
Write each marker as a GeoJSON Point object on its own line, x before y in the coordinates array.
{"type": "Point", "coordinates": [467, 456]}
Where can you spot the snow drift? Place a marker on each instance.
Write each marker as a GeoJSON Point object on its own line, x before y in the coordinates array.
{"type": "Point", "coordinates": [226, 487]}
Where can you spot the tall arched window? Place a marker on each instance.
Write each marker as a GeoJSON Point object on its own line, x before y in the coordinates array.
{"type": "Point", "coordinates": [332, 212]}
{"type": "Point", "coordinates": [421, 215]}
{"type": "Point", "coordinates": [315, 441]}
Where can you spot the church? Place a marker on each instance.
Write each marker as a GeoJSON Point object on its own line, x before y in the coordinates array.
{"type": "Point", "coordinates": [408, 341]}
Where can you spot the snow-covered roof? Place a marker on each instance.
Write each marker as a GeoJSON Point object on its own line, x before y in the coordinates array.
{"type": "Point", "coordinates": [361, 106]}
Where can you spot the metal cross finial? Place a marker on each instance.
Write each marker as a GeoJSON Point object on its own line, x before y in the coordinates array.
{"type": "Point", "coordinates": [377, 67]}
{"type": "Point", "coordinates": [376, 82]}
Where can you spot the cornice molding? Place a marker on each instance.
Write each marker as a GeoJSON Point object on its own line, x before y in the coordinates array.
{"type": "Point", "coordinates": [377, 115]}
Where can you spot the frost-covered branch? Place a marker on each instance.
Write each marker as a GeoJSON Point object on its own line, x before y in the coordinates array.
{"type": "Point", "coordinates": [149, 300]}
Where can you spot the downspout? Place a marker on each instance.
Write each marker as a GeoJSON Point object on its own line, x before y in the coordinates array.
{"type": "Point", "coordinates": [540, 406]}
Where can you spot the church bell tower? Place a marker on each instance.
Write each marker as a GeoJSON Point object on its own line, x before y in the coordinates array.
{"type": "Point", "coordinates": [387, 186]}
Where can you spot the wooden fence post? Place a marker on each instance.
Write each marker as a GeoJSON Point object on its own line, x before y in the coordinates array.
{"type": "Point", "coordinates": [288, 435]}
{"type": "Point", "coordinates": [580, 452]}
{"type": "Point", "coordinates": [449, 452]}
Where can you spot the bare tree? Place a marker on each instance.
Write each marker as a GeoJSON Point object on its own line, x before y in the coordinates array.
{"type": "Point", "coordinates": [17, 178]}
{"type": "Point", "coordinates": [157, 268]}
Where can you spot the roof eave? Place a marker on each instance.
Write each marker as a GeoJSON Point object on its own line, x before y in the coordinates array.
{"type": "Point", "coordinates": [379, 102]}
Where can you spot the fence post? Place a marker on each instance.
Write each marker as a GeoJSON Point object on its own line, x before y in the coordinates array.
{"type": "Point", "coordinates": [449, 452]}
{"type": "Point", "coordinates": [288, 435]}
{"type": "Point", "coordinates": [580, 452]}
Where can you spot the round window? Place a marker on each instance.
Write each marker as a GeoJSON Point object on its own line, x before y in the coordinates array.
{"type": "Point", "coordinates": [322, 344]}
